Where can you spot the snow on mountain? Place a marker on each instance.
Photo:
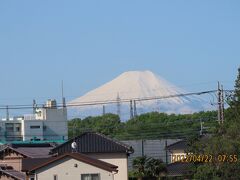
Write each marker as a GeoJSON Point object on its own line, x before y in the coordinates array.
{"type": "Point", "coordinates": [133, 85]}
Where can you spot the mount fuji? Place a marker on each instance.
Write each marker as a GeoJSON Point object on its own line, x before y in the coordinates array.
{"type": "Point", "coordinates": [135, 85]}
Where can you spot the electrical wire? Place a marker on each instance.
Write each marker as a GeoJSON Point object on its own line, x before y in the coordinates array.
{"type": "Point", "coordinates": [89, 103]}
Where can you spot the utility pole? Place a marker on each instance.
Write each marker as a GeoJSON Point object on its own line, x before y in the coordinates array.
{"type": "Point", "coordinates": [63, 98]}
{"type": "Point", "coordinates": [134, 108]}
{"type": "Point", "coordinates": [103, 109]}
{"type": "Point", "coordinates": [201, 124]}
{"type": "Point", "coordinates": [131, 110]}
{"type": "Point", "coordinates": [219, 103]}
{"type": "Point", "coordinates": [7, 114]}
{"type": "Point", "coordinates": [75, 129]}
{"type": "Point", "coordinates": [222, 104]}
{"type": "Point", "coordinates": [34, 106]}
{"type": "Point", "coordinates": [166, 152]}
{"type": "Point", "coordinates": [118, 105]}
{"type": "Point", "coordinates": [142, 141]}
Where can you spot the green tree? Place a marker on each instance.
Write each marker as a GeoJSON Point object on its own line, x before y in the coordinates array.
{"type": "Point", "coordinates": [139, 166]}
{"type": "Point", "coordinates": [148, 167]}
{"type": "Point", "coordinates": [155, 168]}
{"type": "Point", "coordinates": [225, 141]}
{"type": "Point", "coordinates": [108, 124]}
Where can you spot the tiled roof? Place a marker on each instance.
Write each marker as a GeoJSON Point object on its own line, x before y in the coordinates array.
{"type": "Point", "coordinates": [92, 142]}
{"type": "Point", "coordinates": [29, 163]}
{"type": "Point", "coordinates": [179, 169]}
{"type": "Point", "coordinates": [36, 151]}
{"type": "Point", "coordinates": [180, 145]}
{"type": "Point", "coordinates": [80, 157]}
{"type": "Point", "coordinates": [13, 174]}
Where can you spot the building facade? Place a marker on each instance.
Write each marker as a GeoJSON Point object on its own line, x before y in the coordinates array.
{"type": "Point", "coordinates": [46, 123]}
{"type": "Point", "coordinates": [100, 147]}
{"type": "Point", "coordinates": [73, 166]}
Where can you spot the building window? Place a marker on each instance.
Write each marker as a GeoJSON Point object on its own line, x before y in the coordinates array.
{"type": "Point", "coordinates": [9, 127]}
{"type": "Point", "coordinates": [35, 127]}
{"type": "Point", "coordinates": [32, 178]}
{"type": "Point", "coordinates": [44, 128]}
{"type": "Point", "coordinates": [90, 176]}
{"type": "Point", "coordinates": [17, 129]}
{"type": "Point", "coordinates": [55, 177]}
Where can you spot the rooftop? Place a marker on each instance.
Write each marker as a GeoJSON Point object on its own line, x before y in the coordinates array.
{"type": "Point", "coordinates": [78, 156]}
{"type": "Point", "coordinates": [29, 150]}
{"type": "Point", "coordinates": [180, 145]}
{"type": "Point", "coordinates": [179, 169]}
{"type": "Point", "coordinates": [92, 142]}
{"type": "Point", "coordinates": [9, 172]}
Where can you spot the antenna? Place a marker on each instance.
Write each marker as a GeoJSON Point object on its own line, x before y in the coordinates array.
{"type": "Point", "coordinates": [222, 103]}
{"type": "Point", "coordinates": [62, 88]}
{"type": "Point", "coordinates": [74, 146]}
{"type": "Point", "coordinates": [63, 98]}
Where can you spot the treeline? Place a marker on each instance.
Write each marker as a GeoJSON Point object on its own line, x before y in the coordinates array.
{"type": "Point", "coordinates": [224, 142]}
{"type": "Point", "coordinates": [146, 126]}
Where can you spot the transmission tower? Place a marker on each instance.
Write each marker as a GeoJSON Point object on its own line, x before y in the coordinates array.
{"type": "Point", "coordinates": [118, 105]}
{"type": "Point", "coordinates": [131, 110]}
{"type": "Point", "coordinates": [134, 108]}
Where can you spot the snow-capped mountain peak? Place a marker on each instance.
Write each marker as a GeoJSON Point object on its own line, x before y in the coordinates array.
{"type": "Point", "coordinates": [132, 85]}
{"type": "Point", "coordinates": [135, 85]}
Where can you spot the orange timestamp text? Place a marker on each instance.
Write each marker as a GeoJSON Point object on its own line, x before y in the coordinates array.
{"type": "Point", "coordinates": [205, 158]}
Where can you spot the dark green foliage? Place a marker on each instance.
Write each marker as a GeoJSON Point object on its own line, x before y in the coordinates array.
{"type": "Point", "coordinates": [224, 141]}
{"type": "Point", "coordinates": [148, 167]}
{"type": "Point", "coordinates": [152, 125]}
{"type": "Point", "coordinates": [146, 126]}
{"type": "Point", "coordinates": [160, 125]}
{"type": "Point", "coordinates": [139, 166]}
{"type": "Point", "coordinates": [107, 124]}
{"type": "Point", "coordinates": [155, 168]}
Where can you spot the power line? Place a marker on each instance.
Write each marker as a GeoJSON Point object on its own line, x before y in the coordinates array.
{"type": "Point", "coordinates": [89, 103]}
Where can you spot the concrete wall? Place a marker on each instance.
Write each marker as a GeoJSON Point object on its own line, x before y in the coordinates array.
{"type": "Point", "coordinates": [66, 170]}
{"type": "Point", "coordinates": [55, 124]}
{"type": "Point", "coordinates": [118, 159]}
{"type": "Point", "coordinates": [29, 133]}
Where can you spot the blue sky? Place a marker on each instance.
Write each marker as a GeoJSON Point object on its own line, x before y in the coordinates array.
{"type": "Point", "coordinates": [192, 44]}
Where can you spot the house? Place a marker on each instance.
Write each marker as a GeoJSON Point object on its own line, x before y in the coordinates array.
{"type": "Point", "coordinates": [176, 168]}
{"type": "Point", "coordinates": [177, 150]}
{"type": "Point", "coordinates": [101, 147]}
{"type": "Point", "coordinates": [46, 123]}
{"type": "Point", "coordinates": [70, 166]}
{"type": "Point", "coordinates": [8, 173]}
{"type": "Point", "coordinates": [179, 169]}
{"type": "Point", "coordinates": [13, 154]}
{"type": "Point", "coordinates": [22, 157]}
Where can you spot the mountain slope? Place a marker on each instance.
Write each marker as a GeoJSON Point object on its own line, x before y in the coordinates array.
{"type": "Point", "coordinates": [139, 84]}
{"type": "Point", "coordinates": [130, 85]}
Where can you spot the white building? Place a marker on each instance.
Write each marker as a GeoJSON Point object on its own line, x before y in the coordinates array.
{"type": "Point", "coordinates": [47, 123]}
